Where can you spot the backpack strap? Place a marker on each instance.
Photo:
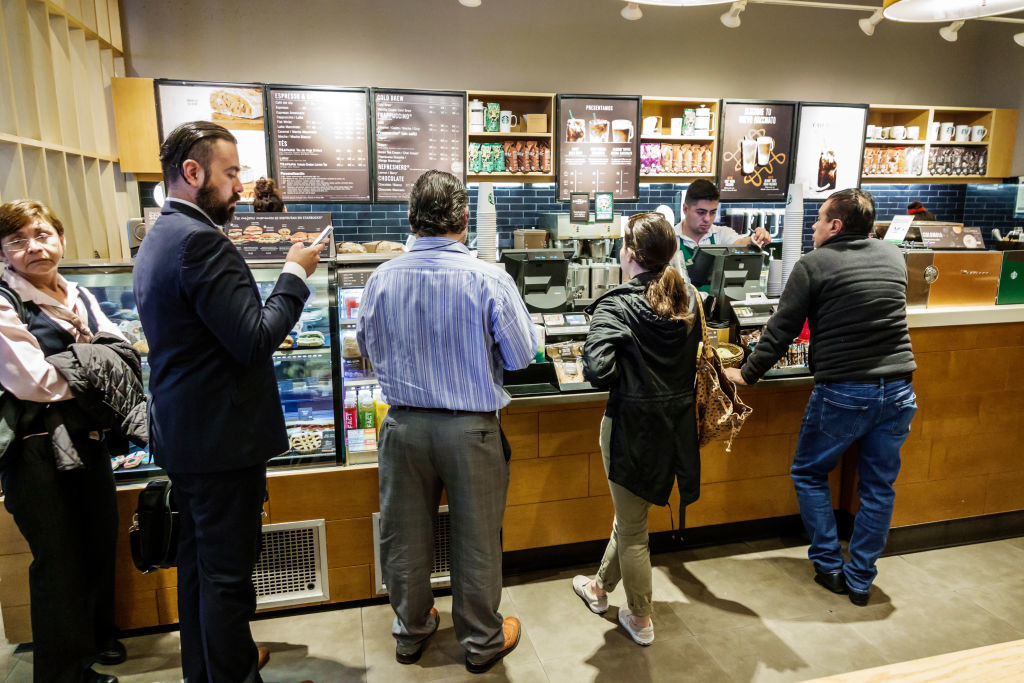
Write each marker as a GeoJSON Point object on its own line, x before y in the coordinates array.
{"type": "Point", "coordinates": [16, 302]}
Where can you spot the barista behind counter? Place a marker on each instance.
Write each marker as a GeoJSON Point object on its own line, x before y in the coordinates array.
{"type": "Point", "coordinates": [700, 207]}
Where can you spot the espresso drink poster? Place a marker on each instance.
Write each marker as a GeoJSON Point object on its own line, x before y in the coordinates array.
{"type": "Point", "coordinates": [320, 148]}
{"type": "Point", "coordinates": [829, 148]}
{"type": "Point", "coordinates": [598, 145]}
{"type": "Point", "coordinates": [237, 107]}
{"type": "Point", "coordinates": [269, 236]}
{"type": "Point", "coordinates": [756, 140]}
{"type": "Point", "coordinates": [417, 131]}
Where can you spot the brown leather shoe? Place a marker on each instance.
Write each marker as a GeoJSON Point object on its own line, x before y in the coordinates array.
{"type": "Point", "coordinates": [262, 657]}
{"type": "Point", "coordinates": [512, 631]}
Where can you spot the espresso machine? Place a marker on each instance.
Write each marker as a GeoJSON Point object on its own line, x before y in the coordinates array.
{"type": "Point", "coordinates": [594, 268]}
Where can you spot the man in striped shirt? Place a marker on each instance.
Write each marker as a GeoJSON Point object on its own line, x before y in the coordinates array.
{"type": "Point", "coordinates": [439, 326]}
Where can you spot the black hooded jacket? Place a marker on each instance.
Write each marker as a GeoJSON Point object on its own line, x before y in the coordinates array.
{"type": "Point", "coordinates": [648, 364]}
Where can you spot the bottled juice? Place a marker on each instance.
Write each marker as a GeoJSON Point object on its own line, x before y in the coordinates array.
{"type": "Point", "coordinates": [380, 408]}
{"type": "Point", "coordinates": [365, 409]}
{"type": "Point", "coordinates": [350, 412]}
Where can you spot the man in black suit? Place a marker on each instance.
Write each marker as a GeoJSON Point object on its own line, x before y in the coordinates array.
{"type": "Point", "coordinates": [215, 417]}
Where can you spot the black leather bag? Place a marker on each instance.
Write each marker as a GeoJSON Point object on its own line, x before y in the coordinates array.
{"type": "Point", "coordinates": [154, 532]}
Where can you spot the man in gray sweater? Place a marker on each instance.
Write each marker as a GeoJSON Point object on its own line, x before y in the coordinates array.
{"type": "Point", "coordinates": [852, 292]}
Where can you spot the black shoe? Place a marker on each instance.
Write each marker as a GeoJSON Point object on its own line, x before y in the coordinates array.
{"type": "Point", "coordinates": [834, 581]}
{"type": "Point", "coordinates": [92, 676]}
{"type": "Point", "coordinates": [858, 598]}
{"type": "Point", "coordinates": [112, 653]}
{"type": "Point", "coordinates": [413, 657]}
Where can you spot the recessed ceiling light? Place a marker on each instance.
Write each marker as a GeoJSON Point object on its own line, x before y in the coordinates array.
{"type": "Point", "coordinates": [947, 10]}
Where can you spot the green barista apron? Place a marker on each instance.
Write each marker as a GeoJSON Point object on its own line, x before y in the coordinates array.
{"type": "Point", "coordinates": [687, 253]}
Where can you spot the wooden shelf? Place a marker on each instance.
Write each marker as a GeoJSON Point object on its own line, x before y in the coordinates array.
{"type": "Point", "coordinates": [673, 178]}
{"type": "Point", "coordinates": [678, 138]}
{"type": "Point", "coordinates": [55, 147]}
{"type": "Point", "coordinates": [951, 143]}
{"type": "Point", "coordinates": [893, 177]}
{"type": "Point", "coordinates": [546, 136]}
{"type": "Point", "coordinates": [896, 143]}
{"type": "Point", "coordinates": [510, 177]}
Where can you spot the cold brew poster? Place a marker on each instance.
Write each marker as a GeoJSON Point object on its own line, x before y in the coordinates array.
{"type": "Point", "coordinates": [321, 150]}
{"type": "Point", "coordinates": [829, 148]}
{"type": "Point", "coordinates": [598, 145]}
{"type": "Point", "coordinates": [237, 107]}
{"type": "Point", "coordinates": [417, 131]}
{"type": "Point", "coordinates": [756, 141]}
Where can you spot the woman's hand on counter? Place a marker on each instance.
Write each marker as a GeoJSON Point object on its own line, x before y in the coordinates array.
{"type": "Point", "coordinates": [734, 376]}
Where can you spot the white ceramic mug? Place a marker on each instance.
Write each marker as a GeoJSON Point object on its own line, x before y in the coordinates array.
{"type": "Point", "coordinates": [886, 132]}
{"type": "Point", "coordinates": [933, 130]}
{"type": "Point", "coordinates": [946, 131]}
{"type": "Point", "coordinates": [652, 125]}
{"type": "Point", "coordinates": [870, 132]}
{"type": "Point", "coordinates": [676, 127]}
{"type": "Point", "coordinates": [899, 133]}
{"type": "Point", "coordinates": [507, 121]}
{"type": "Point", "coordinates": [765, 145]}
{"type": "Point", "coordinates": [913, 132]}
{"type": "Point", "coordinates": [978, 133]}
{"type": "Point", "coordinates": [622, 130]}
{"type": "Point", "coordinates": [749, 155]}
{"type": "Point", "coordinates": [963, 133]}
{"type": "Point", "coordinates": [704, 125]}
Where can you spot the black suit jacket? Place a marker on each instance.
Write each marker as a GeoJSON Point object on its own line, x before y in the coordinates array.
{"type": "Point", "coordinates": [215, 405]}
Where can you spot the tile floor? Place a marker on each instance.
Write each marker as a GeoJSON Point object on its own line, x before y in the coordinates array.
{"type": "Point", "coordinates": [740, 612]}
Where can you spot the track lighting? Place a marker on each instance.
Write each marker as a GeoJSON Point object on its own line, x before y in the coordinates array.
{"type": "Point", "coordinates": [631, 11]}
{"type": "Point", "coordinates": [1019, 38]}
{"type": "Point", "coordinates": [731, 19]}
{"type": "Point", "coordinates": [947, 10]}
{"type": "Point", "coordinates": [469, 3]}
{"type": "Point", "coordinates": [949, 32]}
{"type": "Point", "coordinates": [868, 24]}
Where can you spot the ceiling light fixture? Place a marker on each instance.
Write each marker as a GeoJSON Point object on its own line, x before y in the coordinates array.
{"type": "Point", "coordinates": [731, 19]}
{"type": "Point", "coordinates": [1019, 38]}
{"type": "Point", "coordinates": [682, 3]}
{"type": "Point", "coordinates": [947, 10]}
{"type": "Point", "coordinates": [868, 24]}
{"type": "Point", "coordinates": [949, 32]}
{"type": "Point", "coordinates": [631, 11]}
{"type": "Point", "coordinates": [469, 3]}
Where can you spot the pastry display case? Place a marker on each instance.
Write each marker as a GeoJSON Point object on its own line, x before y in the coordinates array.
{"type": "Point", "coordinates": [304, 366]}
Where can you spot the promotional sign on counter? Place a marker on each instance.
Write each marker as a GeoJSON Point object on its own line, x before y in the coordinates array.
{"type": "Point", "coordinates": [598, 145]}
{"type": "Point", "coordinates": [236, 106]}
{"type": "Point", "coordinates": [755, 141]}
{"type": "Point", "coordinates": [829, 147]}
{"type": "Point", "coordinates": [269, 236]}
{"type": "Point", "coordinates": [416, 131]}
{"type": "Point", "coordinates": [579, 207]}
{"type": "Point", "coordinates": [321, 152]}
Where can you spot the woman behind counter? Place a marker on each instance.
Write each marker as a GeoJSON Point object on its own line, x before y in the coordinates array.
{"type": "Point", "coordinates": [68, 517]}
{"type": "Point", "coordinates": [642, 347]}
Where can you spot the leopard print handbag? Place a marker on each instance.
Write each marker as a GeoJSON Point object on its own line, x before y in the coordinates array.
{"type": "Point", "coordinates": [719, 407]}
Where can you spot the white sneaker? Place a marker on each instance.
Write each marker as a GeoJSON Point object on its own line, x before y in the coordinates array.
{"type": "Point", "coordinates": [596, 604]}
{"type": "Point", "coordinates": [643, 636]}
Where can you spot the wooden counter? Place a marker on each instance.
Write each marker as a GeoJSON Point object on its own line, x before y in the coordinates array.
{"type": "Point", "coordinates": [961, 460]}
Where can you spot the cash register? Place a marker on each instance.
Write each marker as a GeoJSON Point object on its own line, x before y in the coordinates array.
{"type": "Point", "coordinates": [732, 277]}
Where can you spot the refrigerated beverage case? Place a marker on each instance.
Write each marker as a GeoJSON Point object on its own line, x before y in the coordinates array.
{"type": "Point", "coordinates": [365, 409]}
{"type": "Point", "coordinates": [350, 412]}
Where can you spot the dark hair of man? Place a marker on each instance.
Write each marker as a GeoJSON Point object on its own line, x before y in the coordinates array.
{"type": "Point", "coordinates": [653, 243]}
{"type": "Point", "coordinates": [919, 212]}
{"type": "Point", "coordinates": [855, 208]}
{"type": "Point", "coordinates": [437, 204]}
{"type": "Point", "coordinates": [193, 140]}
{"type": "Point", "coordinates": [266, 198]}
{"type": "Point", "coordinates": [17, 214]}
{"type": "Point", "coordinates": [700, 190]}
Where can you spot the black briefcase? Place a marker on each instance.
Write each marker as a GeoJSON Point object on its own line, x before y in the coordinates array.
{"type": "Point", "coordinates": [154, 532]}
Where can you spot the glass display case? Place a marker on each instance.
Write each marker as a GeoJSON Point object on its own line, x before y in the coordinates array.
{"type": "Point", "coordinates": [304, 365]}
{"type": "Point", "coordinates": [363, 405]}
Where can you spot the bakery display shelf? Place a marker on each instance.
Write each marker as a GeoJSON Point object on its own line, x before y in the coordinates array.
{"type": "Point", "coordinates": [299, 352]}
{"type": "Point", "coordinates": [895, 143]}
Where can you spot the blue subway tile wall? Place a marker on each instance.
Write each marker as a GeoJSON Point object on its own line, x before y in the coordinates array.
{"type": "Point", "coordinates": [520, 206]}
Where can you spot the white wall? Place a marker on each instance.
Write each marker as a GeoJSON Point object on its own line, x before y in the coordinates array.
{"type": "Point", "coordinates": [576, 46]}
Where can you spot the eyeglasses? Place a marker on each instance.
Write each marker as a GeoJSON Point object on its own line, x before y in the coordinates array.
{"type": "Point", "coordinates": [41, 238]}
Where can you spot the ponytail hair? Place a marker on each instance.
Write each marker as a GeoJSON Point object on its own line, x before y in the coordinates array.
{"type": "Point", "coordinates": [653, 244]}
{"type": "Point", "coordinates": [266, 197]}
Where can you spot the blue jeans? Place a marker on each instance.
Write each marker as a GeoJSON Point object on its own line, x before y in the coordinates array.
{"type": "Point", "coordinates": [877, 417]}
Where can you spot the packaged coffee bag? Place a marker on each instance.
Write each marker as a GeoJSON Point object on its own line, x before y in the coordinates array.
{"type": "Point", "coordinates": [531, 151]}
{"type": "Point", "coordinates": [498, 155]}
{"type": "Point", "coordinates": [474, 157]}
{"type": "Point", "coordinates": [545, 158]}
{"type": "Point", "coordinates": [511, 161]}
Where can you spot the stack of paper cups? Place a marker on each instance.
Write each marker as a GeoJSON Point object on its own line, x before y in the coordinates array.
{"type": "Point", "coordinates": [792, 232]}
{"type": "Point", "coordinates": [774, 278]}
{"type": "Point", "coordinates": [486, 223]}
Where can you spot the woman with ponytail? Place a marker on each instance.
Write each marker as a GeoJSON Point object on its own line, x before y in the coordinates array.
{"type": "Point", "coordinates": [266, 198]}
{"type": "Point", "coordinates": [642, 348]}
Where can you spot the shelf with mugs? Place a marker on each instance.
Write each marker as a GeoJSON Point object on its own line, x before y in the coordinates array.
{"type": "Point", "coordinates": [670, 117]}
{"type": "Point", "coordinates": [677, 138]}
{"type": "Point", "coordinates": [499, 136]}
{"type": "Point", "coordinates": [524, 116]}
{"type": "Point", "coordinates": [895, 143]}
{"type": "Point", "coordinates": [954, 143]}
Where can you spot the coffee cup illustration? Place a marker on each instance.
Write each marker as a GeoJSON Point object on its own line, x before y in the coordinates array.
{"type": "Point", "coordinates": [749, 150]}
{"type": "Point", "coordinates": [598, 130]}
{"type": "Point", "coordinates": [575, 130]}
{"type": "Point", "coordinates": [765, 145]}
{"type": "Point", "coordinates": [622, 130]}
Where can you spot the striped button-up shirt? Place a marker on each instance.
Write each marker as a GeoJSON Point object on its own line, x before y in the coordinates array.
{"type": "Point", "coordinates": [439, 326]}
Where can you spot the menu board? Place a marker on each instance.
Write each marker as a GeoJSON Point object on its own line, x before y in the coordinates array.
{"type": "Point", "coordinates": [416, 131]}
{"type": "Point", "coordinates": [269, 236]}
{"type": "Point", "coordinates": [598, 145]}
{"type": "Point", "coordinates": [319, 142]}
{"type": "Point", "coordinates": [236, 106]}
{"type": "Point", "coordinates": [756, 140]}
{"type": "Point", "coordinates": [829, 148]}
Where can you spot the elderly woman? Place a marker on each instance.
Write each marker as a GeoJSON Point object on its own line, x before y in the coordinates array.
{"type": "Point", "coordinates": [66, 511]}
